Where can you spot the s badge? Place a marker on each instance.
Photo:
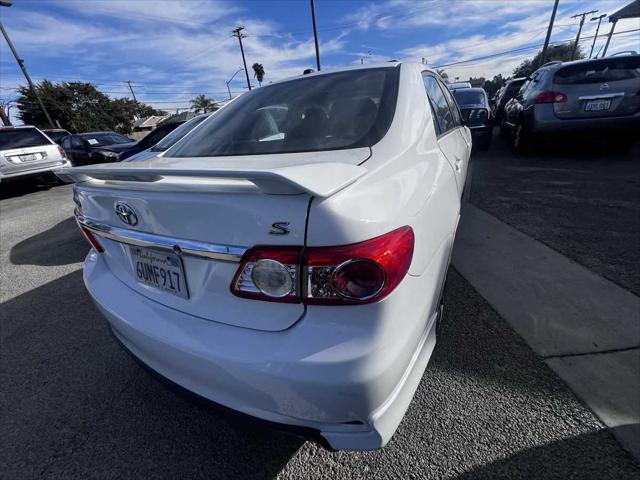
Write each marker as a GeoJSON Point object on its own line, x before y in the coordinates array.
{"type": "Point", "coordinates": [279, 228]}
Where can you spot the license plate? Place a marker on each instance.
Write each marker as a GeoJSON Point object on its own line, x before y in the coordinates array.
{"type": "Point", "coordinates": [30, 157]}
{"type": "Point", "coordinates": [597, 105]}
{"type": "Point", "coordinates": [159, 270]}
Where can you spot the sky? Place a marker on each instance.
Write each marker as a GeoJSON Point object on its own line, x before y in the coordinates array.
{"type": "Point", "coordinates": [173, 50]}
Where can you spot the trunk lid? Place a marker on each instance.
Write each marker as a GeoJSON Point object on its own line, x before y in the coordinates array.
{"type": "Point", "coordinates": [29, 158]}
{"type": "Point", "coordinates": [223, 201]}
{"type": "Point", "coordinates": [601, 88]}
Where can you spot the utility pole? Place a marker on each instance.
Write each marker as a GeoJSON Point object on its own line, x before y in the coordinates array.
{"type": "Point", "coordinates": [128, 82]}
{"type": "Point", "coordinates": [26, 74]}
{"type": "Point", "coordinates": [237, 32]}
{"type": "Point", "coordinates": [581, 15]}
{"type": "Point", "coordinates": [595, 37]}
{"type": "Point", "coordinates": [315, 33]}
{"type": "Point", "coordinates": [543, 57]}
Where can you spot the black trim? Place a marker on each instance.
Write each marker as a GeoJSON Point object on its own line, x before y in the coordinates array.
{"type": "Point", "coordinates": [306, 433]}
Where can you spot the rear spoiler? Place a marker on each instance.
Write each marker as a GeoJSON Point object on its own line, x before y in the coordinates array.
{"type": "Point", "coordinates": [318, 179]}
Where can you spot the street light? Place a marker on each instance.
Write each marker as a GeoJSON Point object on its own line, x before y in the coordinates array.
{"type": "Point", "coordinates": [8, 3]}
{"type": "Point", "coordinates": [229, 81]}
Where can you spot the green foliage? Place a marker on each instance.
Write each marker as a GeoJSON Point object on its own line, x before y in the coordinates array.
{"type": "Point", "coordinates": [258, 72]}
{"type": "Point", "coordinates": [204, 104]}
{"type": "Point", "coordinates": [560, 52]}
{"type": "Point", "coordinates": [80, 107]}
{"type": "Point", "coordinates": [493, 85]}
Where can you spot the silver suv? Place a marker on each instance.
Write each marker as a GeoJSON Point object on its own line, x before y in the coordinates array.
{"type": "Point", "coordinates": [582, 96]}
{"type": "Point", "coordinates": [26, 151]}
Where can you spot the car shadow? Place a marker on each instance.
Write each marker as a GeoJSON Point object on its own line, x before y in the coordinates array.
{"type": "Point", "coordinates": [19, 188]}
{"type": "Point", "coordinates": [78, 406]}
{"type": "Point", "coordinates": [62, 244]}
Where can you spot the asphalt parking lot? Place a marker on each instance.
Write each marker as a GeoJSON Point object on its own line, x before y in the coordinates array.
{"type": "Point", "coordinates": [76, 406]}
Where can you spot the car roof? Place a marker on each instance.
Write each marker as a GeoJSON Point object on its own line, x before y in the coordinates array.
{"type": "Point", "coordinates": [472, 89]}
{"type": "Point", "coordinates": [95, 133]}
{"type": "Point", "coordinates": [559, 65]}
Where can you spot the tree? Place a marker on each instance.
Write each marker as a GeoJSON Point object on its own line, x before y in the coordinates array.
{"type": "Point", "coordinates": [204, 104]}
{"type": "Point", "coordinates": [443, 74]}
{"type": "Point", "coordinates": [560, 52]}
{"type": "Point", "coordinates": [493, 85]}
{"type": "Point", "coordinates": [258, 72]}
{"type": "Point", "coordinates": [79, 107]}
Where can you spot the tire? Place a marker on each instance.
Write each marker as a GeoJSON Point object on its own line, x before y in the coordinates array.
{"type": "Point", "coordinates": [520, 140]}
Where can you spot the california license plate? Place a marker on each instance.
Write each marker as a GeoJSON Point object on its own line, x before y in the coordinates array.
{"type": "Point", "coordinates": [597, 105]}
{"type": "Point", "coordinates": [159, 270]}
{"type": "Point", "coordinates": [30, 157]}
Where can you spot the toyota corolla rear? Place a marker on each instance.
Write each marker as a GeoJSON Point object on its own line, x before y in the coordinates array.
{"type": "Point", "coordinates": [202, 264]}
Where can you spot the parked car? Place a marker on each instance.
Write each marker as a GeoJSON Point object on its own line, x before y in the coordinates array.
{"type": "Point", "coordinates": [287, 258]}
{"type": "Point", "coordinates": [456, 85]}
{"type": "Point", "coordinates": [476, 113]}
{"type": "Point", "coordinates": [167, 141]}
{"type": "Point", "coordinates": [576, 97]}
{"type": "Point", "coordinates": [96, 147]}
{"type": "Point", "coordinates": [153, 137]}
{"type": "Point", "coordinates": [26, 152]}
{"type": "Point", "coordinates": [506, 93]}
{"type": "Point", "coordinates": [56, 134]}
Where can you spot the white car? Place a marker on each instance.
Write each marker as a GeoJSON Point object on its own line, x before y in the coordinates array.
{"type": "Point", "coordinates": [286, 259]}
{"type": "Point", "coordinates": [26, 151]}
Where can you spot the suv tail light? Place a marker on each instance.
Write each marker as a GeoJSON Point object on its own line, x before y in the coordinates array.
{"type": "Point", "coordinates": [63, 154]}
{"type": "Point", "coordinates": [359, 273]}
{"type": "Point", "coordinates": [550, 96]}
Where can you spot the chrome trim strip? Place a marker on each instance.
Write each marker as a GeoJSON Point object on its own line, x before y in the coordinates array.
{"type": "Point", "coordinates": [194, 248]}
{"type": "Point", "coordinates": [604, 96]}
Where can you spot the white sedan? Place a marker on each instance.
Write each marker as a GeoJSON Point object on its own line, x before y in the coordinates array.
{"type": "Point", "coordinates": [286, 259]}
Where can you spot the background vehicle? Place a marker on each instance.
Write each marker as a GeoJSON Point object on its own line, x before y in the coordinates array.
{"type": "Point", "coordinates": [56, 134]}
{"type": "Point", "coordinates": [26, 151]}
{"type": "Point", "coordinates": [456, 85]}
{"type": "Point", "coordinates": [151, 139]}
{"type": "Point", "coordinates": [95, 147]}
{"type": "Point", "coordinates": [506, 93]}
{"type": "Point", "coordinates": [576, 97]}
{"type": "Point", "coordinates": [284, 220]}
{"type": "Point", "coordinates": [476, 113]}
{"type": "Point", "coordinates": [168, 141]}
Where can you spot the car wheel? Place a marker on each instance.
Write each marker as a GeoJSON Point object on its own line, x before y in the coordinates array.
{"type": "Point", "coordinates": [520, 140]}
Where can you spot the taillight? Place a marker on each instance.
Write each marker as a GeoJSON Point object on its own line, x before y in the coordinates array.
{"type": "Point", "coordinates": [91, 238]}
{"type": "Point", "coordinates": [63, 154]}
{"type": "Point", "coordinates": [358, 273]}
{"type": "Point", "coordinates": [550, 96]}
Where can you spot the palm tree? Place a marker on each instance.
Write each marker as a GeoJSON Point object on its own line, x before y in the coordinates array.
{"type": "Point", "coordinates": [258, 72]}
{"type": "Point", "coordinates": [202, 103]}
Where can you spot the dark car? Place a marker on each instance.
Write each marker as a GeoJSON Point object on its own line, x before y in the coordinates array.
{"type": "Point", "coordinates": [56, 134]}
{"type": "Point", "coordinates": [96, 147]}
{"type": "Point", "coordinates": [506, 93]}
{"type": "Point", "coordinates": [169, 140]}
{"type": "Point", "coordinates": [593, 96]}
{"type": "Point", "coordinates": [151, 139]}
{"type": "Point", "coordinates": [476, 112]}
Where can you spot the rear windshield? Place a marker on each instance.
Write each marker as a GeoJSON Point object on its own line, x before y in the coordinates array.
{"type": "Point", "coordinates": [102, 139]}
{"type": "Point", "coordinates": [325, 112]}
{"type": "Point", "coordinates": [469, 97]}
{"type": "Point", "coordinates": [600, 71]}
{"type": "Point", "coordinates": [21, 138]}
{"type": "Point", "coordinates": [177, 134]}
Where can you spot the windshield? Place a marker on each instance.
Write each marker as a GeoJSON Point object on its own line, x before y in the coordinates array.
{"type": "Point", "coordinates": [177, 134]}
{"type": "Point", "coordinates": [21, 138]}
{"type": "Point", "coordinates": [324, 112]}
{"type": "Point", "coordinates": [103, 139]}
{"type": "Point", "coordinates": [600, 71]}
{"type": "Point", "coordinates": [469, 97]}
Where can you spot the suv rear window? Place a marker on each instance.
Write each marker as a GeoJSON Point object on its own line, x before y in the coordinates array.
{"type": "Point", "coordinates": [322, 112]}
{"type": "Point", "coordinates": [21, 138]}
{"type": "Point", "coordinates": [469, 97]}
{"type": "Point", "coordinates": [600, 71]}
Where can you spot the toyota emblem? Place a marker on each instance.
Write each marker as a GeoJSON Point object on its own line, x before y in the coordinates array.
{"type": "Point", "coordinates": [126, 213]}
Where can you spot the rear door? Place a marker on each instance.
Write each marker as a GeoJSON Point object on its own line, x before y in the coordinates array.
{"type": "Point", "coordinates": [600, 88]}
{"type": "Point", "coordinates": [454, 139]}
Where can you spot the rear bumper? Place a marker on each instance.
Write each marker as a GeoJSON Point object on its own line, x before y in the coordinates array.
{"type": "Point", "coordinates": [545, 121]}
{"type": "Point", "coordinates": [325, 377]}
{"type": "Point", "coordinates": [31, 170]}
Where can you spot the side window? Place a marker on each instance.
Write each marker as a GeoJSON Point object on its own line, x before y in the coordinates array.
{"type": "Point", "coordinates": [76, 142]}
{"type": "Point", "coordinates": [66, 143]}
{"type": "Point", "coordinates": [439, 104]}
